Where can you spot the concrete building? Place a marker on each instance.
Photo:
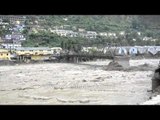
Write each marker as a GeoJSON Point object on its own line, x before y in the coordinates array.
{"type": "Point", "coordinates": [13, 38]}
{"type": "Point", "coordinates": [103, 34]}
{"type": "Point", "coordinates": [88, 34]}
{"type": "Point", "coordinates": [10, 46]}
{"type": "Point", "coordinates": [56, 50]}
{"type": "Point", "coordinates": [4, 54]}
{"type": "Point", "coordinates": [33, 53]}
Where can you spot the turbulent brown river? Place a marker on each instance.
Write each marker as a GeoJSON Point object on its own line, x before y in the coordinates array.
{"type": "Point", "coordinates": [82, 83]}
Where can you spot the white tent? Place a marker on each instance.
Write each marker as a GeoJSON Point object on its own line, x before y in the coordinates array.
{"type": "Point", "coordinates": [152, 50]}
{"type": "Point", "coordinates": [141, 50]}
{"type": "Point", "coordinates": [122, 51]}
{"type": "Point", "coordinates": [158, 48]}
{"type": "Point", "coordinates": [133, 51]}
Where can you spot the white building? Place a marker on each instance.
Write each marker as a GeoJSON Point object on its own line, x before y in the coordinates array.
{"type": "Point", "coordinates": [88, 34]}
{"type": "Point", "coordinates": [122, 33]}
{"type": "Point", "coordinates": [81, 30]}
{"type": "Point", "coordinates": [11, 46]}
{"type": "Point", "coordinates": [8, 37]}
{"type": "Point", "coordinates": [65, 19]}
{"type": "Point", "coordinates": [147, 38]}
{"type": "Point", "coordinates": [103, 34]}
{"type": "Point", "coordinates": [112, 34]}
{"type": "Point", "coordinates": [56, 50]}
{"type": "Point", "coordinates": [139, 33]}
{"type": "Point", "coordinates": [88, 49]}
{"type": "Point", "coordinates": [65, 33]}
{"type": "Point", "coordinates": [134, 39]}
{"type": "Point", "coordinates": [15, 37]}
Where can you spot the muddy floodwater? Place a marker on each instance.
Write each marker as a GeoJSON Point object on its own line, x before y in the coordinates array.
{"type": "Point", "coordinates": [82, 83]}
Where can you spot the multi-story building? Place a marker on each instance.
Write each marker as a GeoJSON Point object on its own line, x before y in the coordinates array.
{"type": "Point", "coordinates": [10, 46]}
{"type": "Point", "coordinates": [33, 53]}
{"type": "Point", "coordinates": [13, 38]}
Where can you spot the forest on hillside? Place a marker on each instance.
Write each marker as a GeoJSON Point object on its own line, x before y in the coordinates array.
{"type": "Point", "coordinates": [147, 25]}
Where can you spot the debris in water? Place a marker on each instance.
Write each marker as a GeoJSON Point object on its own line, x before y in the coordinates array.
{"type": "Point", "coordinates": [84, 80]}
{"type": "Point", "coordinates": [114, 66]}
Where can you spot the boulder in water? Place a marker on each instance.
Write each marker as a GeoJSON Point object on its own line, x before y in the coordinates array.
{"type": "Point", "coordinates": [114, 66]}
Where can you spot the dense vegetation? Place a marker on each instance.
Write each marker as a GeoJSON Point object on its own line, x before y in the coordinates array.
{"type": "Point", "coordinates": [131, 24]}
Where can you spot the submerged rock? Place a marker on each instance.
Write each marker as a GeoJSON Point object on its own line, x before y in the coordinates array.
{"type": "Point", "coordinates": [114, 66]}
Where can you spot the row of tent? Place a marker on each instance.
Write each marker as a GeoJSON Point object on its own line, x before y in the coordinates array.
{"type": "Point", "coordinates": [137, 50]}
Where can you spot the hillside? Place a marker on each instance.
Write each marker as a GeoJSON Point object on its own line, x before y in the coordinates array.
{"type": "Point", "coordinates": [38, 29]}
{"type": "Point", "coordinates": [100, 23]}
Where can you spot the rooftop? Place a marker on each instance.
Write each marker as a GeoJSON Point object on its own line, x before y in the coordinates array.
{"type": "Point", "coordinates": [3, 50]}
{"type": "Point", "coordinates": [33, 48]}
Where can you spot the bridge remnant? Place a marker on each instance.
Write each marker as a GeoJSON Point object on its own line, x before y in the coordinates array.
{"type": "Point", "coordinates": [122, 60]}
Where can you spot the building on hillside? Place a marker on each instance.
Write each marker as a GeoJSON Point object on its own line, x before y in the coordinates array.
{"type": "Point", "coordinates": [89, 49]}
{"type": "Point", "coordinates": [72, 34]}
{"type": "Point", "coordinates": [10, 46]}
{"type": "Point", "coordinates": [13, 38]}
{"type": "Point", "coordinates": [65, 33]}
{"type": "Point", "coordinates": [13, 18]}
{"type": "Point", "coordinates": [91, 34]}
{"type": "Point", "coordinates": [88, 34]}
{"type": "Point", "coordinates": [112, 34]}
{"type": "Point", "coordinates": [18, 37]}
{"type": "Point", "coordinates": [81, 30]}
{"type": "Point", "coordinates": [103, 34]}
{"type": "Point", "coordinates": [56, 50]}
{"type": "Point", "coordinates": [122, 33]}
